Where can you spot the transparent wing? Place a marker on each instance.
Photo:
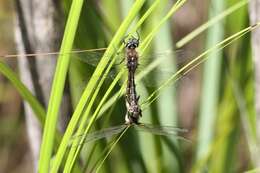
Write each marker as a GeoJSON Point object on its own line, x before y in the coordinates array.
{"type": "Point", "coordinates": [162, 130]}
{"type": "Point", "coordinates": [161, 67]}
{"type": "Point", "coordinates": [104, 133]}
{"type": "Point", "coordinates": [154, 68]}
{"type": "Point", "coordinates": [93, 57]}
{"type": "Point", "coordinates": [151, 65]}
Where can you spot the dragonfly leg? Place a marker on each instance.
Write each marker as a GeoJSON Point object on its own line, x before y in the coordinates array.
{"type": "Point", "coordinates": [138, 35]}
{"type": "Point", "coordinates": [123, 39]}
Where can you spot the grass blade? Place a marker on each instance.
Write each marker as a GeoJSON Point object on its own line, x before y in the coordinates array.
{"type": "Point", "coordinates": [210, 23]}
{"type": "Point", "coordinates": [58, 86]}
{"type": "Point", "coordinates": [210, 86]}
{"type": "Point", "coordinates": [24, 92]}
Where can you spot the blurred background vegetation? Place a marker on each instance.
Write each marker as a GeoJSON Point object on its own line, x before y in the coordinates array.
{"type": "Point", "coordinates": [215, 100]}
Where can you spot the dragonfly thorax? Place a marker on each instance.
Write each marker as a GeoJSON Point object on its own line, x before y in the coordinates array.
{"type": "Point", "coordinates": [132, 60]}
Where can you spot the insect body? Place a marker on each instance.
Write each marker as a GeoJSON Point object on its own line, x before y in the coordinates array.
{"type": "Point", "coordinates": [133, 108]}
{"type": "Point", "coordinates": [133, 112]}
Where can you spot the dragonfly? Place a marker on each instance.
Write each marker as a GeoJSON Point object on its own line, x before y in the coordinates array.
{"type": "Point", "coordinates": [133, 109]}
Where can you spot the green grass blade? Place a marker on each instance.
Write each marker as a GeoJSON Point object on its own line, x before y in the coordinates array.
{"type": "Point", "coordinates": [24, 92]}
{"type": "Point", "coordinates": [80, 73]}
{"type": "Point", "coordinates": [210, 86]}
{"type": "Point", "coordinates": [224, 152]}
{"type": "Point", "coordinates": [248, 126]}
{"type": "Point", "coordinates": [112, 20]}
{"type": "Point", "coordinates": [58, 86]}
{"type": "Point", "coordinates": [166, 103]}
{"type": "Point", "coordinates": [210, 23]}
{"type": "Point", "coordinates": [149, 38]}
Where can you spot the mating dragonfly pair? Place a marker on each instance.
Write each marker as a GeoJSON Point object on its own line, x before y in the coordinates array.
{"type": "Point", "coordinates": [134, 111]}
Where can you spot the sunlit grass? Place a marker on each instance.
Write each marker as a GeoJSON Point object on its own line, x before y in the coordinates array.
{"type": "Point", "coordinates": [221, 124]}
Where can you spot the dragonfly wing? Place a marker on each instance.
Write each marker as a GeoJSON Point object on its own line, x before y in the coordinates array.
{"type": "Point", "coordinates": [94, 57]}
{"type": "Point", "coordinates": [180, 56]}
{"type": "Point", "coordinates": [91, 58]}
{"type": "Point", "coordinates": [161, 130]}
{"type": "Point", "coordinates": [157, 68]}
{"type": "Point", "coordinates": [104, 133]}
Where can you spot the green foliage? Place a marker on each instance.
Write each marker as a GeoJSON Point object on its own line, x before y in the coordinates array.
{"type": "Point", "coordinates": [226, 112]}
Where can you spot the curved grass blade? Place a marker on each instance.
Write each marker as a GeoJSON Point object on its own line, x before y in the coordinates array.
{"type": "Point", "coordinates": [210, 23]}
{"type": "Point", "coordinates": [27, 96]}
{"type": "Point", "coordinates": [149, 38]}
{"type": "Point", "coordinates": [24, 92]}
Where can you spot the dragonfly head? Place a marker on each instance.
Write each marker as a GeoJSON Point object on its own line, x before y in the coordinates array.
{"type": "Point", "coordinates": [132, 43]}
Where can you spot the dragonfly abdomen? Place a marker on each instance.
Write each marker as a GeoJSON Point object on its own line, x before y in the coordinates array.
{"type": "Point", "coordinates": [134, 111]}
